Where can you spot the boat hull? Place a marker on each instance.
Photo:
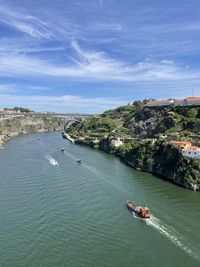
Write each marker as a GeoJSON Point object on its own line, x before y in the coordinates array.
{"type": "Point", "coordinates": [143, 212]}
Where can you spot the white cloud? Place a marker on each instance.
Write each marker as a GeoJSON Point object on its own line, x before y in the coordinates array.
{"type": "Point", "coordinates": [65, 103]}
{"type": "Point", "coordinates": [92, 65]}
{"type": "Point", "coordinates": [28, 24]}
{"type": "Point", "coordinates": [113, 49]}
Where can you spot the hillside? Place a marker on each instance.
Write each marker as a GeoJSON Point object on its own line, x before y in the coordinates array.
{"type": "Point", "coordinates": [29, 123]}
{"type": "Point", "coordinates": [139, 122]}
{"type": "Point", "coordinates": [146, 133]}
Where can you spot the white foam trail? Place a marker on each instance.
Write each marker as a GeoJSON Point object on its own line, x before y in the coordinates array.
{"type": "Point", "coordinates": [155, 223]}
{"type": "Point", "coordinates": [93, 170]}
{"type": "Point", "coordinates": [137, 216]}
{"type": "Point", "coordinates": [52, 161]}
{"type": "Point", "coordinates": [172, 235]}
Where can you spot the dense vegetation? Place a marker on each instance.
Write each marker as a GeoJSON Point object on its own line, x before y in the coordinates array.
{"type": "Point", "coordinates": [23, 110]}
{"type": "Point", "coordinates": [162, 159]}
{"type": "Point", "coordinates": [140, 122]}
{"type": "Point", "coordinates": [146, 133]}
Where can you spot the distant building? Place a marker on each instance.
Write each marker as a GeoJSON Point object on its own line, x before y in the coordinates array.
{"type": "Point", "coordinates": [187, 149]}
{"type": "Point", "coordinates": [159, 103]}
{"type": "Point", "coordinates": [189, 101]}
{"type": "Point", "coordinates": [116, 143]}
{"type": "Point", "coordinates": [182, 144]}
{"type": "Point", "coordinates": [82, 138]}
{"type": "Point", "coordinates": [192, 152]}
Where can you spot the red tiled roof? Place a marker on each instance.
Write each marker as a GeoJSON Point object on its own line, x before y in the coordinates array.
{"type": "Point", "coordinates": [181, 142]}
{"type": "Point", "coordinates": [195, 147]}
{"type": "Point", "coordinates": [168, 101]}
{"type": "Point", "coordinates": [159, 101]}
{"type": "Point", "coordinates": [81, 138]}
{"type": "Point", "coordinates": [191, 98]}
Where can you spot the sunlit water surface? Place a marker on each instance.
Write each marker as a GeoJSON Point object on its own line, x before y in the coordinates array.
{"type": "Point", "coordinates": [55, 212]}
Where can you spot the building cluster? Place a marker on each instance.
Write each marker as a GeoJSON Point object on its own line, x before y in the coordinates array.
{"type": "Point", "coordinates": [9, 111]}
{"type": "Point", "coordinates": [189, 101]}
{"type": "Point", "coordinates": [188, 150]}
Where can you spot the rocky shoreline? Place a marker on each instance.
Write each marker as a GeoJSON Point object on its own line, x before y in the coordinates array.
{"type": "Point", "coordinates": [7, 136]}
{"type": "Point", "coordinates": [142, 138]}
{"type": "Point", "coordinates": [162, 160]}
{"type": "Point", "coordinates": [29, 124]}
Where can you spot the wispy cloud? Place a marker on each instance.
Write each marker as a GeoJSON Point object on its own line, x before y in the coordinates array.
{"type": "Point", "coordinates": [65, 103]}
{"type": "Point", "coordinates": [151, 47]}
{"type": "Point", "coordinates": [92, 65]}
{"type": "Point", "coordinates": [17, 88]}
{"type": "Point", "coordinates": [28, 24]}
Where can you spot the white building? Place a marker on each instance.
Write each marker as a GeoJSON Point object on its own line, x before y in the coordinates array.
{"type": "Point", "coordinates": [116, 143]}
{"type": "Point", "coordinates": [192, 152]}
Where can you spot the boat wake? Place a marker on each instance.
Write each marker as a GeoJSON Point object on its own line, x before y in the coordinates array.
{"type": "Point", "coordinates": [135, 216]}
{"type": "Point", "coordinates": [172, 235]}
{"type": "Point", "coordinates": [52, 161]}
{"type": "Point", "coordinates": [93, 170]}
{"type": "Point", "coordinates": [70, 155]}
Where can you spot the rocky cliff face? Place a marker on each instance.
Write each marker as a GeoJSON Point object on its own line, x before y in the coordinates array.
{"type": "Point", "coordinates": [135, 125]}
{"type": "Point", "coordinates": [104, 145]}
{"type": "Point", "coordinates": [29, 123]}
{"type": "Point", "coordinates": [149, 122]}
{"type": "Point", "coordinates": [160, 158]}
{"type": "Point", "coordinates": [165, 161]}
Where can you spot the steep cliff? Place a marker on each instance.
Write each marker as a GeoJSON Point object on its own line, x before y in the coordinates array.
{"type": "Point", "coordinates": [163, 160]}
{"type": "Point", "coordinates": [28, 123]}
{"type": "Point", "coordinates": [146, 133]}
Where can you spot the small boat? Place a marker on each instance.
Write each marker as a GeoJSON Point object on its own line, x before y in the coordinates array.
{"type": "Point", "coordinates": [143, 212]}
{"type": "Point", "coordinates": [62, 150]}
{"type": "Point", "coordinates": [79, 161]}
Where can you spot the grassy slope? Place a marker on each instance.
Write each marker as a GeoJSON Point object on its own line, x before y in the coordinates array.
{"type": "Point", "coordinates": [139, 122]}
{"type": "Point", "coordinates": [142, 123]}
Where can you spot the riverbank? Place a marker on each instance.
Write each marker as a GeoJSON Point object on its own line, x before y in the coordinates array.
{"type": "Point", "coordinates": [30, 124]}
{"type": "Point", "coordinates": [159, 158]}
{"type": "Point", "coordinates": [67, 136]}
{"type": "Point", "coordinates": [141, 137]}
{"type": "Point", "coordinates": [41, 215]}
{"type": "Point", "coordinates": [7, 136]}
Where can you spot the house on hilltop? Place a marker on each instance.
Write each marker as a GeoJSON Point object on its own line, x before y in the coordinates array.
{"type": "Point", "coordinates": [192, 152]}
{"type": "Point", "coordinates": [159, 103]}
{"type": "Point", "coordinates": [187, 149]}
{"type": "Point", "coordinates": [189, 101]}
{"type": "Point", "coordinates": [182, 144]}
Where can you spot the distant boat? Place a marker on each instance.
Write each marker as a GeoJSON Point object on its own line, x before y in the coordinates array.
{"type": "Point", "coordinates": [62, 150]}
{"type": "Point", "coordinates": [79, 161]}
{"type": "Point", "coordinates": [143, 212]}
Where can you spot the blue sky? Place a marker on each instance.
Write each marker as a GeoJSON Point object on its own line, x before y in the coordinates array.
{"type": "Point", "coordinates": [93, 55]}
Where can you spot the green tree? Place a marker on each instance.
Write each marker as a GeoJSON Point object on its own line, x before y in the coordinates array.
{"type": "Point", "coordinates": [192, 113]}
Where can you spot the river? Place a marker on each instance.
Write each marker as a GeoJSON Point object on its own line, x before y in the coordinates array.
{"type": "Point", "coordinates": [75, 215]}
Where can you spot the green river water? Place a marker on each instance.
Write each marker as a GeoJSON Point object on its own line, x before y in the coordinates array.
{"type": "Point", "coordinates": [75, 215]}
